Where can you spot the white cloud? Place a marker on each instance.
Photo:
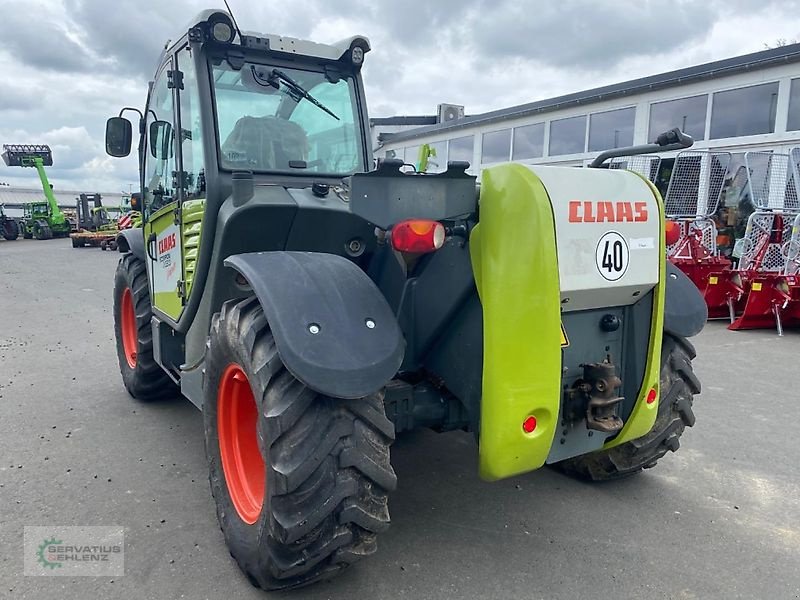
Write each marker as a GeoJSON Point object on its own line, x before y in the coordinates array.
{"type": "Point", "coordinates": [69, 64]}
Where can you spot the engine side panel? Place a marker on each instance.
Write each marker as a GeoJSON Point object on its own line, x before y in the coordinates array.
{"type": "Point", "coordinates": [608, 226]}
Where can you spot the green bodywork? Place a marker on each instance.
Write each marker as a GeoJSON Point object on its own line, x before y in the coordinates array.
{"type": "Point", "coordinates": [426, 152]}
{"type": "Point", "coordinates": [172, 302]}
{"type": "Point", "coordinates": [519, 292]}
{"type": "Point", "coordinates": [520, 298]}
{"type": "Point", "coordinates": [49, 211]}
{"type": "Point", "coordinates": [190, 238]}
{"type": "Point", "coordinates": [56, 216]}
{"type": "Point", "coordinates": [168, 302]}
{"type": "Point", "coordinates": [644, 415]}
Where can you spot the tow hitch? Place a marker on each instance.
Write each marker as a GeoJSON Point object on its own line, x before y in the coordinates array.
{"type": "Point", "coordinates": [596, 390]}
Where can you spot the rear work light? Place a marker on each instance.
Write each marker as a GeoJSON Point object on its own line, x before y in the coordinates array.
{"type": "Point", "coordinates": [417, 236]}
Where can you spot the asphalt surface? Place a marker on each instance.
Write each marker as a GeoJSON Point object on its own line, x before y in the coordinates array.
{"type": "Point", "coordinates": [718, 519]}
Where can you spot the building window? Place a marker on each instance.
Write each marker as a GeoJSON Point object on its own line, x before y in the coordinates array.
{"type": "Point", "coordinates": [687, 114]}
{"type": "Point", "coordinates": [496, 146]}
{"type": "Point", "coordinates": [568, 136]}
{"type": "Point", "coordinates": [460, 149]}
{"type": "Point", "coordinates": [793, 124]}
{"type": "Point", "coordinates": [411, 155]}
{"type": "Point", "coordinates": [528, 142]}
{"type": "Point", "coordinates": [611, 129]}
{"type": "Point", "coordinates": [746, 111]}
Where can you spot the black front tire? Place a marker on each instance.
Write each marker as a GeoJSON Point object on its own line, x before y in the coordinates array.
{"type": "Point", "coordinates": [678, 385]}
{"type": "Point", "coordinates": [326, 460]}
{"type": "Point", "coordinates": [145, 379]}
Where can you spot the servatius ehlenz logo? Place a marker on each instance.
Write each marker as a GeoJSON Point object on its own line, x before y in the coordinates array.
{"type": "Point", "coordinates": [70, 550]}
{"type": "Point", "coordinates": [46, 553]}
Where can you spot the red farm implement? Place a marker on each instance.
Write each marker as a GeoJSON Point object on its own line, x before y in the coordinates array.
{"type": "Point", "coordinates": [690, 203]}
{"type": "Point", "coordinates": [764, 291]}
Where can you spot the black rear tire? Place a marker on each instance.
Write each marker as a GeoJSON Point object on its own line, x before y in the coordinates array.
{"type": "Point", "coordinates": [678, 385]}
{"type": "Point", "coordinates": [326, 461]}
{"type": "Point", "coordinates": [10, 229]}
{"type": "Point", "coordinates": [145, 380]}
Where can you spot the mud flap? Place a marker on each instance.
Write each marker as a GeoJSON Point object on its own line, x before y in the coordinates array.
{"type": "Point", "coordinates": [333, 329]}
{"type": "Point", "coordinates": [685, 311]}
{"type": "Point", "coordinates": [515, 263]}
{"type": "Point", "coordinates": [132, 240]}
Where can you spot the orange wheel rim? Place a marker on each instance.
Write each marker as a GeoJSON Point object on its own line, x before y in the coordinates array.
{"type": "Point", "coordinates": [242, 463]}
{"type": "Point", "coordinates": [130, 335]}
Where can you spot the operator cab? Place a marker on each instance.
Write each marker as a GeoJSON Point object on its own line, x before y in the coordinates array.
{"type": "Point", "coordinates": [263, 103]}
{"type": "Point", "coordinates": [281, 114]}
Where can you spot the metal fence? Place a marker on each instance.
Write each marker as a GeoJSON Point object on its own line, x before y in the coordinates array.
{"type": "Point", "coordinates": [703, 228]}
{"type": "Point", "coordinates": [643, 164]}
{"type": "Point", "coordinates": [793, 251]}
{"type": "Point", "coordinates": [767, 241]}
{"type": "Point", "coordinates": [696, 183]}
{"type": "Point", "coordinates": [772, 180]}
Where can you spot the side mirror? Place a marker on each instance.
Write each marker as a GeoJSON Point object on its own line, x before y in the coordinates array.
{"type": "Point", "coordinates": [160, 136]}
{"type": "Point", "coordinates": [119, 134]}
{"type": "Point", "coordinates": [135, 204]}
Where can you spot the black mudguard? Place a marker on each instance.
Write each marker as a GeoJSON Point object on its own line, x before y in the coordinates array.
{"type": "Point", "coordinates": [305, 291]}
{"type": "Point", "coordinates": [132, 240]}
{"type": "Point", "coordinates": [685, 310]}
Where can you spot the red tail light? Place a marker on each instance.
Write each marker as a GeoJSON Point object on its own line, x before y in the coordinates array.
{"type": "Point", "coordinates": [651, 396]}
{"type": "Point", "coordinates": [672, 232]}
{"type": "Point", "coordinates": [417, 235]}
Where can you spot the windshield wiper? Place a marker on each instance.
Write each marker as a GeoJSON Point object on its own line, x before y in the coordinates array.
{"type": "Point", "coordinates": [298, 90]}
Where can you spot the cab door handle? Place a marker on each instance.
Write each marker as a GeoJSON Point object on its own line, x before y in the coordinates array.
{"type": "Point", "coordinates": [151, 240]}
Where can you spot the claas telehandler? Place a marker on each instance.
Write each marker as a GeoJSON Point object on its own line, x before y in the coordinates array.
{"type": "Point", "coordinates": [313, 304]}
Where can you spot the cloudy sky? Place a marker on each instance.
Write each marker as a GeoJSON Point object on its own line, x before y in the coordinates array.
{"type": "Point", "coordinates": [66, 65]}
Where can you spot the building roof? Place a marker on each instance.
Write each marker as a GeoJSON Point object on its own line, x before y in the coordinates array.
{"type": "Point", "coordinates": [712, 70]}
{"type": "Point", "coordinates": [14, 196]}
{"type": "Point", "coordinates": [404, 120]}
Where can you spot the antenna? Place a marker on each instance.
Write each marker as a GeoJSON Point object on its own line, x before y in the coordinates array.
{"type": "Point", "coordinates": [230, 12]}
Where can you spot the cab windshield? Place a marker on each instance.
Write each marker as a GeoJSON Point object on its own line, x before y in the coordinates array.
{"type": "Point", "coordinates": [288, 120]}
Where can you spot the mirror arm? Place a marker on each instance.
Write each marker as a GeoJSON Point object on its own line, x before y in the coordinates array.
{"type": "Point", "coordinates": [136, 110]}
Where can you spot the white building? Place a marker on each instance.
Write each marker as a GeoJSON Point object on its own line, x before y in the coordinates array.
{"type": "Point", "coordinates": [749, 102]}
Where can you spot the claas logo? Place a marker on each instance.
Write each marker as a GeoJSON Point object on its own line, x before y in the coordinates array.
{"type": "Point", "coordinates": [166, 244]}
{"type": "Point", "coordinates": [587, 211]}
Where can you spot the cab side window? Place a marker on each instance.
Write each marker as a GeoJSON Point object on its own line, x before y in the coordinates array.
{"type": "Point", "coordinates": [159, 178]}
{"type": "Point", "coordinates": [194, 180]}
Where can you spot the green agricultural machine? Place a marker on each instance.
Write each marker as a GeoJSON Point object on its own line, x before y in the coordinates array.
{"type": "Point", "coordinates": [314, 305]}
{"type": "Point", "coordinates": [9, 228]}
{"type": "Point", "coordinates": [40, 220]}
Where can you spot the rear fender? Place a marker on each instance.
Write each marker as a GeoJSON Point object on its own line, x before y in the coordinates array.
{"type": "Point", "coordinates": [685, 310]}
{"type": "Point", "coordinates": [132, 240]}
{"type": "Point", "coordinates": [357, 347]}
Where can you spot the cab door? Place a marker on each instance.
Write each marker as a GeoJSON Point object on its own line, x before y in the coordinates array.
{"type": "Point", "coordinates": [162, 217]}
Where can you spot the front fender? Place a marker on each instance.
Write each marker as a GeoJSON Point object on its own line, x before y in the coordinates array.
{"type": "Point", "coordinates": [132, 240]}
{"type": "Point", "coordinates": [685, 310]}
{"type": "Point", "coordinates": [358, 346]}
